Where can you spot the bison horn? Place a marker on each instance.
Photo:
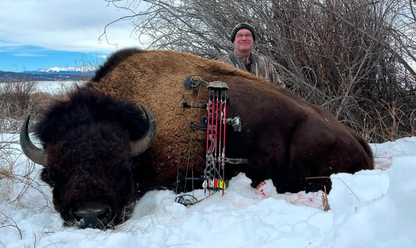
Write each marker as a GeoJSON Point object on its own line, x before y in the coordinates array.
{"type": "Point", "coordinates": [140, 146]}
{"type": "Point", "coordinates": [35, 154]}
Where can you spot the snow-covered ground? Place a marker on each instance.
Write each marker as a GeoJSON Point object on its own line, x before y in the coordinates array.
{"type": "Point", "coordinates": [374, 208]}
{"type": "Point", "coordinates": [369, 209]}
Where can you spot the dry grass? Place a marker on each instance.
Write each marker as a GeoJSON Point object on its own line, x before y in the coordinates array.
{"type": "Point", "coordinates": [19, 99]}
{"type": "Point", "coordinates": [18, 176]}
{"type": "Point", "coordinates": [325, 203]}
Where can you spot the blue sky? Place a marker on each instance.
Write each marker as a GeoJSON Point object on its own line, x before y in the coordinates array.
{"type": "Point", "coordinates": [31, 58]}
{"type": "Point", "coordinates": [38, 34]}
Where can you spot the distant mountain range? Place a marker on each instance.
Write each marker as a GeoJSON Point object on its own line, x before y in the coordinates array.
{"type": "Point", "coordinates": [49, 74]}
{"type": "Point", "coordinates": [85, 68]}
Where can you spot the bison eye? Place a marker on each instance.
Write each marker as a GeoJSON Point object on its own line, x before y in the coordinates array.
{"type": "Point", "coordinates": [47, 177]}
{"type": "Point", "coordinates": [52, 176]}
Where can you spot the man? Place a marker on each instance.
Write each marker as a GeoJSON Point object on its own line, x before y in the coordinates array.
{"type": "Point", "coordinates": [243, 37]}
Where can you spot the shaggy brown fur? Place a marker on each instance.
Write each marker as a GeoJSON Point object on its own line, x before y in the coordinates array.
{"type": "Point", "coordinates": [87, 140]}
{"type": "Point", "coordinates": [284, 137]}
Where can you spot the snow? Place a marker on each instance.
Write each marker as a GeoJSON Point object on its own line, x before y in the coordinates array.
{"type": "Point", "coordinates": [51, 87]}
{"type": "Point", "coordinates": [84, 68]}
{"type": "Point", "coordinates": [55, 87]}
{"type": "Point", "coordinates": [373, 208]}
{"type": "Point", "coordinates": [369, 209]}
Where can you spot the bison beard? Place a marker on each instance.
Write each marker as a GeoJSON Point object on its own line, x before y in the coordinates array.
{"type": "Point", "coordinates": [87, 138]}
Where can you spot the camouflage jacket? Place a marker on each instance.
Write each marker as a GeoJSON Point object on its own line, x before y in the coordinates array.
{"type": "Point", "coordinates": [260, 66]}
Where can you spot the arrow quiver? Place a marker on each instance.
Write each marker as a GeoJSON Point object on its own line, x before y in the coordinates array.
{"type": "Point", "coordinates": [215, 142]}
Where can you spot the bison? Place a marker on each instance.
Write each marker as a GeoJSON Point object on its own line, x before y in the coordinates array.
{"type": "Point", "coordinates": [95, 143]}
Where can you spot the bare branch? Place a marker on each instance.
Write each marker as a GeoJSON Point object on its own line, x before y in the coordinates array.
{"type": "Point", "coordinates": [349, 56]}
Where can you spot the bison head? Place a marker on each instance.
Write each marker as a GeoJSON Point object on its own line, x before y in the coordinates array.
{"type": "Point", "coordinates": [88, 145]}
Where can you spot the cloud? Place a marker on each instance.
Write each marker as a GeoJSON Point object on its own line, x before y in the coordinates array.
{"type": "Point", "coordinates": [25, 54]}
{"type": "Point", "coordinates": [74, 25]}
{"type": "Point", "coordinates": [102, 56]}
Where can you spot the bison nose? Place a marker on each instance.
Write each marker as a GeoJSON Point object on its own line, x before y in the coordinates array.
{"type": "Point", "coordinates": [93, 214]}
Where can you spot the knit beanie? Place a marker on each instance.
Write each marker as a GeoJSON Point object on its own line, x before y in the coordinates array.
{"type": "Point", "coordinates": [242, 26]}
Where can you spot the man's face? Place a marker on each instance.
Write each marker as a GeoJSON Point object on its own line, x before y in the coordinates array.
{"type": "Point", "coordinates": [243, 40]}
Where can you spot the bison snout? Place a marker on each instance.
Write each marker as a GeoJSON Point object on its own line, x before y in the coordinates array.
{"type": "Point", "coordinates": [92, 214]}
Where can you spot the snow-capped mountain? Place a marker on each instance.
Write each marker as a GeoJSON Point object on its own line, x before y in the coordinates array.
{"type": "Point", "coordinates": [84, 68]}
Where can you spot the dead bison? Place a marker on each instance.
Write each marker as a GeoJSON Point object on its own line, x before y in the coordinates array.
{"type": "Point", "coordinates": [88, 152]}
{"type": "Point", "coordinates": [89, 142]}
